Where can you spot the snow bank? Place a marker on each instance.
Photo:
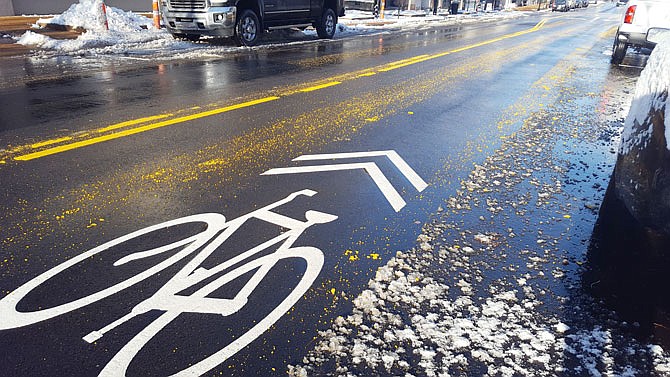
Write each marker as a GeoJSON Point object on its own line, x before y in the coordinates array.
{"type": "Point", "coordinates": [651, 92]}
{"type": "Point", "coordinates": [94, 43]}
{"type": "Point", "coordinates": [128, 33]}
{"type": "Point", "coordinates": [88, 14]}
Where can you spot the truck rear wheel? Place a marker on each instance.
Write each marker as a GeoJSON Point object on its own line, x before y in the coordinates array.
{"type": "Point", "coordinates": [326, 27]}
{"type": "Point", "coordinates": [247, 28]}
{"type": "Point", "coordinates": [618, 50]}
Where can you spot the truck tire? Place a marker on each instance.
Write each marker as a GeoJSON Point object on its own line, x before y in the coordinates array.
{"type": "Point", "coordinates": [247, 28]}
{"type": "Point", "coordinates": [618, 51]}
{"type": "Point", "coordinates": [326, 27]}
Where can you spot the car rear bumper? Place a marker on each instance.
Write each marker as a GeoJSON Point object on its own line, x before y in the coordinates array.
{"type": "Point", "coordinates": [640, 39]}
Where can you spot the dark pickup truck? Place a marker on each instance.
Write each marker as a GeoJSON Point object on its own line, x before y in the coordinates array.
{"type": "Point", "coordinates": [245, 20]}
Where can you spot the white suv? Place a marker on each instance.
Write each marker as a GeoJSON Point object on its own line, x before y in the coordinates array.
{"type": "Point", "coordinates": [641, 23]}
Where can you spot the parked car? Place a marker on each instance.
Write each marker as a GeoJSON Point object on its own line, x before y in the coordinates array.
{"type": "Point", "coordinates": [621, 2]}
{"type": "Point", "coordinates": [559, 5]}
{"type": "Point", "coordinates": [246, 20]}
{"type": "Point", "coordinates": [640, 26]}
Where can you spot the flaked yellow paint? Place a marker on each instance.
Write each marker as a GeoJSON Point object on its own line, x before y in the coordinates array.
{"type": "Point", "coordinates": [50, 142]}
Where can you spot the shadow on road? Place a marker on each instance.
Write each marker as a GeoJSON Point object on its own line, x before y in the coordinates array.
{"type": "Point", "coordinates": [628, 269]}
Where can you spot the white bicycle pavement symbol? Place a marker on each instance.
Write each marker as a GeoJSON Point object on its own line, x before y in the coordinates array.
{"type": "Point", "coordinates": [256, 261]}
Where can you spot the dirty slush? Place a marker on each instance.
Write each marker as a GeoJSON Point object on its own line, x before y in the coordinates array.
{"type": "Point", "coordinates": [496, 284]}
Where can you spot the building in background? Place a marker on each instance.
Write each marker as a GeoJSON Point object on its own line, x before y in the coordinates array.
{"type": "Point", "coordinates": [426, 5]}
{"type": "Point", "coordinates": [6, 8]}
{"type": "Point", "coordinates": [30, 7]}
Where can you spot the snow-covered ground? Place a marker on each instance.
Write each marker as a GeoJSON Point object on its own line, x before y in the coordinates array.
{"type": "Point", "coordinates": [132, 34]}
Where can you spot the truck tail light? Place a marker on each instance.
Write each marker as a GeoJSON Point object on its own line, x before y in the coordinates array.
{"type": "Point", "coordinates": [630, 13]}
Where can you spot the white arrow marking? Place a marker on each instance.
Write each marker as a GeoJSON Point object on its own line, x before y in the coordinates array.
{"type": "Point", "coordinates": [392, 155]}
{"type": "Point", "coordinates": [371, 168]}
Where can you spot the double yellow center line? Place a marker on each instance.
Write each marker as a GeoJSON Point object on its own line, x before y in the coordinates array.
{"type": "Point", "coordinates": [168, 122]}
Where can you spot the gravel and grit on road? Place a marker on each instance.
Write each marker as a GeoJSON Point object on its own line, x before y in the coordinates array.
{"type": "Point", "coordinates": [493, 286]}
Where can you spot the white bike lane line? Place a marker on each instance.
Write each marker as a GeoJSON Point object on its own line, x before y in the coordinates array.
{"type": "Point", "coordinates": [218, 230]}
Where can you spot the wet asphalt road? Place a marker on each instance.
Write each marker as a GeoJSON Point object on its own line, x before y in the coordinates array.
{"type": "Point", "coordinates": [144, 143]}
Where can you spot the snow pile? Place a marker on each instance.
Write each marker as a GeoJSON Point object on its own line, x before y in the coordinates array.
{"type": "Point", "coordinates": [87, 14]}
{"type": "Point", "coordinates": [651, 92]}
{"type": "Point", "coordinates": [128, 32]}
{"type": "Point", "coordinates": [93, 43]}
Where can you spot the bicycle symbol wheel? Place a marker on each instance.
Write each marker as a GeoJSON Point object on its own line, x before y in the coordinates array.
{"type": "Point", "coordinates": [313, 257]}
{"type": "Point", "coordinates": [13, 318]}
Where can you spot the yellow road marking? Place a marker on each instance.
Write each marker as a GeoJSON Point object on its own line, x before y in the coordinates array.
{"type": "Point", "coordinates": [610, 32]}
{"type": "Point", "coordinates": [100, 139]}
{"type": "Point", "coordinates": [367, 74]}
{"type": "Point", "coordinates": [133, 123]}
{"type": "Point", "coordinates": [317, 87]}
{"type": "Point", "coordinates": [423, 58]}
{"type": "Point", "coordinates": [168, 122]}
{"type": "Point", "coordinates": [403, 62]}
{"type": "Point", "coordinates": [414, 60]}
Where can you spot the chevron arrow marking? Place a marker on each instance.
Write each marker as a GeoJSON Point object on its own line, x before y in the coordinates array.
{"type": "Point", "coordinates": [389, 192]}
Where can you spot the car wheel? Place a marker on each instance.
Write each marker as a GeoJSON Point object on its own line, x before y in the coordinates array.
{"type": "Point", "coordinates": [247, 28]}
{"type": "Point", "coordinates": [326, 28]}
{"type": "Point", "coordinates": [618, 50]}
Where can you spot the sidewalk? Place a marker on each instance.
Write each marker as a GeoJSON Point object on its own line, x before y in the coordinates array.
{"type": "Point", "coordinates": [15, 26]}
